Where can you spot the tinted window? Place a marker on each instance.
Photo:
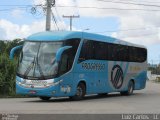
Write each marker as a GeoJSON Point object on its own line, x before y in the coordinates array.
{"type": "Point", "coordinates": [137, 54]}
{"type": "Point", "coordinates": [87, 51]}
{"type": "Point", "coordinates": [117, 52]}
{"type": "Point", "coordinates": [100, 49]}
{"type": "Point", "coordinates": [108, 51]}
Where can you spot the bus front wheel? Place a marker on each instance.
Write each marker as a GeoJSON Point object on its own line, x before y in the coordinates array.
{"type": "Point", "coordinates": [80, 92]}
{"type": "Point", "coordinates": [130, 89]}
{"type": "Point", "coordinates": [44, 98]}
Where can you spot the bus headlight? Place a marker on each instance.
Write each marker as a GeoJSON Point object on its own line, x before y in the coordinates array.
{"type": "Point", "coordinates": [58, 82]}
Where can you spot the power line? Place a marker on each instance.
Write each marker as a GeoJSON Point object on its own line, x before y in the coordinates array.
{"type": "Point", "coordinates": [71, 17]}
{"type": "Point", "coordinates": [91, 7]}
{"type": "Point", "coordinates": [78, 12]}
{"type": "Point", "coordinates": [144, 35]}
{"type": "Point", "coordinates": [131, 3]}
{"type": "Point", "coordinates": [59, 17]}
{"type": "Point", "coordinates": [55, 21]}
{"type": "Point", "coordinates": [14, 5]}
{"type": "Point", "coordinates": [124, 30]}
{"type": "Point", "coordinates": [140, 1]}
{"type": "Point", "coordinates": [10, 9]}
{"type": "Point", "coordinates": [123, 9]}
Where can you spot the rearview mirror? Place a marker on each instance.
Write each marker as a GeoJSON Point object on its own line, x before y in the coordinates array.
{"type": "Point", "coordinates": [13, 50]}
{"type": "Point", "coordinates": [60, 51]}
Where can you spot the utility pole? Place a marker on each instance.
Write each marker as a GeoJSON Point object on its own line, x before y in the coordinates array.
{"type": "Point", "coordinates": [71, 17]}
{"type": "Point", "coordinates": [49, 4]}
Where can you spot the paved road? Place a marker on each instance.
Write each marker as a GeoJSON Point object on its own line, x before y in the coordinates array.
{"type": "Point", "coordinates": [144, 101]}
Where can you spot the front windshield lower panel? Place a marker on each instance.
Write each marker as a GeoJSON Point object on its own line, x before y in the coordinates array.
{"type": "Point", "coordinates": [37, 60]}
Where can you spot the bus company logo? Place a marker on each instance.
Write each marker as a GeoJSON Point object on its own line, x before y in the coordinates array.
{"type": "Point", "coordinates": [117, 76]}
{"type": "Point", "coordinates": [93, 66]}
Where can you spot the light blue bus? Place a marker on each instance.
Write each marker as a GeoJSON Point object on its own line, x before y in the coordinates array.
{"type": "Point", "coordinates": [75, 64]}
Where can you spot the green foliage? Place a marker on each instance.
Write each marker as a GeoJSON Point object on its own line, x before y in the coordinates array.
{"type": "Point", "coordinates": [7, 68]}
{"type": "Point", "coordinates": [155, 69]}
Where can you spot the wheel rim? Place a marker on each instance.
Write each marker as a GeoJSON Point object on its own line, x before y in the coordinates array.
{"type": "Point", "coordinates": [79, 92]}
{"type": "Point", "coordinates": [131, 88]}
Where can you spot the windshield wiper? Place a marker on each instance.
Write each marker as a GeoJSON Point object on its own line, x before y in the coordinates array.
{"type": "Point", "coordinates": [39, 68]}
{"type": "Point", "coordinates": [29, 68]}
{"type": "Point", "coordinates": [35, 64]}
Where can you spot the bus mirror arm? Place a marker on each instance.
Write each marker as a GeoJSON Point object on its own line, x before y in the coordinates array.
{"type": "Point", "coordinates": [60, 52]}
{"type": "Point", "coordinates": [13, 50]}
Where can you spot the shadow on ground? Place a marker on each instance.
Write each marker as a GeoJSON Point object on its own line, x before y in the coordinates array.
{"type": "Point", "coordinates": [87, 98]}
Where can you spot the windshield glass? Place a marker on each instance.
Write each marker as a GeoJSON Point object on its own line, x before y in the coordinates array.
{"type": "Point", "coordinates": [37, 60]}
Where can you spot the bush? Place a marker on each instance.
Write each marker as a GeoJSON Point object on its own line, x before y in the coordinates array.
{"type": "Point", "coordinates": [7, 75]}
{"type": "Point", "coordinates": [8, 67]}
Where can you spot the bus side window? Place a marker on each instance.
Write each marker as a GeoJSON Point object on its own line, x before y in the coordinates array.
{"type": "Point", "coordinates": [87, 51]}
{"type": "Point", "coordinates": [122, 53]}
{"type": "Point", "coordinates": [111, 51]}
{"type": "Point", "coordinates": [137, 54]}
{"type": "Point", "coordinates": [100, 50]}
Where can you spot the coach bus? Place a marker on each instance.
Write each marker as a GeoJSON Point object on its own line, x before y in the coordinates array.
{"type": "Point", "coordinates": [75, 64]}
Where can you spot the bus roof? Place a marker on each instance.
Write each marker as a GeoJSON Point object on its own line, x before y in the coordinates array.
{"type": "Point", "coordinates": [63, 35]}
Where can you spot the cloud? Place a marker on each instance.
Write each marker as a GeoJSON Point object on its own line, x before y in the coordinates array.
{"type": "Point", "coordinates": [10, 31]}
{"type": "Point", "coordinates": [17, 13]}
{"type": "Point", "coordinates": [128, 20]}
{"type": "Point", "coordinates": [146, 24]}
{"type": "Point", "coordinates": [37, 2]}
{"type": "Point", "coordinates": [3, 34]}
{"type": "Point", "coordinates": [138, 30]}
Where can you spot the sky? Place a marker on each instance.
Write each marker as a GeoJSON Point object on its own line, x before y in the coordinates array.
{"type": "Point", "coordinates": [136, 21]}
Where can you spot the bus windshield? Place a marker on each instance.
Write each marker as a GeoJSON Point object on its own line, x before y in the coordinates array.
{"type": "Point", "coordinates": [37, 60]}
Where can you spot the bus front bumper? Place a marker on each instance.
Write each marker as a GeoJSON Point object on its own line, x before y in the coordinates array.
{"type": "Point", "coordinates": [48, 88]}
{"type": "Point", "coordinates": [52, 88]}
{"type": "Point", "coordinates": [48, 92]}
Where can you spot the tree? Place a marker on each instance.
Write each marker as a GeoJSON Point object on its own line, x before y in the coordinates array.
{"type": "Point", "coordinates": [8, 67]}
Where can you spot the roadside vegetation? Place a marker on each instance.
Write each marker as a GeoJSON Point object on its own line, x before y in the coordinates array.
{"type": "Point", "coordinates": [156, 71]}
{"type": "Point", "coordinates": [8, 68]}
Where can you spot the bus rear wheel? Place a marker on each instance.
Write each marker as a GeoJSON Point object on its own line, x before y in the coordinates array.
{"type": "Point", "coordinates": [45, 98]}
{"type": "Point", "coordinates": [80, 92]}
{"type": "Point", "coordinates": [130, 89]}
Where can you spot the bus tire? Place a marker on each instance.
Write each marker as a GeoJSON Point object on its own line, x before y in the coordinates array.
{"type": "Point", "coordinates": [80, 92]}
{"type": "Point", "coordinates": [44, 98]}
{"type": "Point", "coordinates": [130, 89]}
{"type": "Point", "coordinates": [102, 94]}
